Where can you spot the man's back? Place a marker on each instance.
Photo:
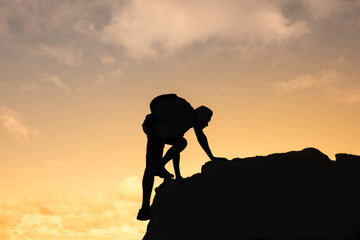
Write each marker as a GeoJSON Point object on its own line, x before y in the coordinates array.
{"type": "Point", "coordinates": [173, 116]}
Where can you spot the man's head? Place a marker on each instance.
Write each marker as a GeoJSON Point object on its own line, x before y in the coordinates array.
{"type": "Point", "coordinates": [202, 116]}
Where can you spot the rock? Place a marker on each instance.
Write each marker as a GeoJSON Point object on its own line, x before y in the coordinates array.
{"type": "Point", "coordinates": [348, 161]}
{"type": "Point", "coordinates": [294, 195]}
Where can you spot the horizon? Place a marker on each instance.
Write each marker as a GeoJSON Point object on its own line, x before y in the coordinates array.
{"type": "Point", "coordinates": [78, 77]}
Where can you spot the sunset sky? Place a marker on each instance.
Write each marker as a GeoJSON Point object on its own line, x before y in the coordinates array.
{"type": "Point", "coordinates": [77, 77]}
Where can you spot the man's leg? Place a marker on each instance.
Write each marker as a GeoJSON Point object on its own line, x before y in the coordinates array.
{"type": "Point", "coordinates": [154, 149]}
{"type": "Point", "coordinates": [174, 153]}
{"type": "Point", "coordinates": [176, 162]}
{"type": "Point", "coordinates": [147, 185]}
{"type": "Point", "coordinates": [154, 152]}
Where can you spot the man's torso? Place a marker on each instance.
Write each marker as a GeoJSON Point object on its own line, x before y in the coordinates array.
{"type": "Point", "coordinates": [171, 117]}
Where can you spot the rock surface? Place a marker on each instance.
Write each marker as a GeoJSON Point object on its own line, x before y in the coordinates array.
{"type": "Point", "coordinates": [294, 195]}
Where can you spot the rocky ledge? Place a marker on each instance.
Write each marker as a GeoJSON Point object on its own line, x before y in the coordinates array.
{"type": "Point", "coordinates": [293, 195]}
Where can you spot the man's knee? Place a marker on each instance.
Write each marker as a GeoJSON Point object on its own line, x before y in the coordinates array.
{"type": "Point", "coordinates": [181, 145]}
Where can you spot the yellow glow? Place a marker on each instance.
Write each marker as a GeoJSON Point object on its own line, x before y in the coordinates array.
{"type": "Point", "coordinates": [76, 83]}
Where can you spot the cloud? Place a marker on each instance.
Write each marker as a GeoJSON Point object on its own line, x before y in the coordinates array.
{"type": "Point", "coordinates": [334, 86]}
{"type": "Point", "coordinates": [28, 86]}
{"type": "Point", "coordinates": [114, 75]}
{"type": "Point", "coordinates": [12, 122]}
{"type": "Point", "coordinates": [75, 32]}
{"type": "Point", "coordinates": [61, 30]}
{"type": "Point", "coordinates": [45, 20]}
{"type": "Point", "coordinates": [324, 79]}
{"type": "Point", "coordinates": [149, 28]}
{"type": "Point", "coordinates": [350, 96]}
{"type": "Point", "coordinates": [340, 61]}
{"type": "Point", "coordinates": [324, 9]}
{"type": "Point", "coordinates": [55, 80]}
{"type": "Point", "coordinates": [107, 60]}
{"type": "Point", "coordinates": [60, 216]}
{"type": "Point", "coordinates": [130, 188]}
{"type": "Point", "coordinates": [69, 55]}
{"type": "Point", "coordinates": [67, 30]}
{"type": "Point", "coordinates": [42, 80]}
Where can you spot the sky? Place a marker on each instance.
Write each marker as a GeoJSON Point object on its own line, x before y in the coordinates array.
{"type": "Point", "coordinates": [77, 77]}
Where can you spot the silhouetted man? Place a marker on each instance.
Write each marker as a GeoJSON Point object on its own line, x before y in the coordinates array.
{"type": "Point", "coordinates": [171, 117]}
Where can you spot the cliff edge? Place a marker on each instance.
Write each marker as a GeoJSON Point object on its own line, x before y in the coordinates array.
{"type": "Point", "coordinates": [293, 195]}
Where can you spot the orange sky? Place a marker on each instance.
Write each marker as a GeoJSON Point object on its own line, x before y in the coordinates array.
{"type": "Point", "coordinates": [77, 78]}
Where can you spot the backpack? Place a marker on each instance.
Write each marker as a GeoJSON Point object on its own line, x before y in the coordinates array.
{"type": "Point", "coordinates": [170, 106]}
{"type": "Point", "coordinates": [174, 115]}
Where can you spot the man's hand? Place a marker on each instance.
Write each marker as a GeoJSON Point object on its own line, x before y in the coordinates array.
{"type": "Point", "coordinates": [219, 159]}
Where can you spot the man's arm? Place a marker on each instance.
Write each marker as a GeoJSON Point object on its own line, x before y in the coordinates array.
{"type": "Point", "coordinates": [202, 139]}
